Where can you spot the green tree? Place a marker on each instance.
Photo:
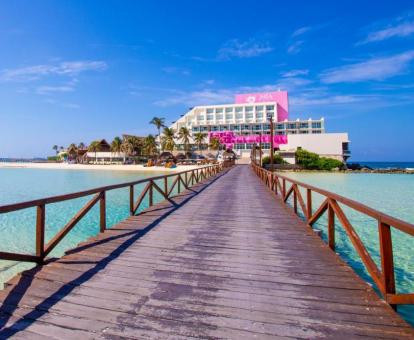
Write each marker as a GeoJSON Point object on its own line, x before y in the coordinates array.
{"type": "Point", "coordinates": [116, 145]}
{"type": "Point", "coordinates": [150, 145]}
{"type": "Point", "coordinates": [199, 138]}
{"type": "Point", "coordinates": [159, 123]}
{"type": "Point", "coordinates": [81, 146]}
{"type": "Point", "coordinates": [215, 144]}
{"type": "Point", "coordinates": [55, 147]}
{"type": "Point", "coordinates": [95, 146]}
{"type": "Point", "coordinates": [184, 135]}
{"type": "Point", "coordinates": [312, 161]}
{"type": "Point", "coordinates": [167, 139]}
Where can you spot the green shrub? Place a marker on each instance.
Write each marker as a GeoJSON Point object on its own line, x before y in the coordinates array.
{"type": "Point", "coordinates": [53, 158]}
{"type": "Point", "coordinates": [277, 159]}
{"type": "Point", "coordinates": [312, 161]}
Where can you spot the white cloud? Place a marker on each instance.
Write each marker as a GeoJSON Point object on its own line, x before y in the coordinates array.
{"type": "Point", "coordinates": [374, 69]}
{"type": "Point", "coordinates": [35, 72]}
{"type": "Point", "coordinates": [243, 49]}
{"type": "Point", "coordinates": [301, 31]}
{"type": "Point", "coordinates": [294, 73]}
{"type": "Point", "coordinates": [295, 47]}
{"type": "Point", "coordinates": [54, 89]}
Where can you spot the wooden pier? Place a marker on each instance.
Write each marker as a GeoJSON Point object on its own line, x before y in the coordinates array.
{"type": "Point", "coordinates": [224, 259]}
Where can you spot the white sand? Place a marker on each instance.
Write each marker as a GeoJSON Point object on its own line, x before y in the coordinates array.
{"type": "Point", "coordinates": [122, 167]}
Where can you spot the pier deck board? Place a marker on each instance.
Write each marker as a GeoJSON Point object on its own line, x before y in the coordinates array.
{"type": "Point", "coordinates": [226, 260]}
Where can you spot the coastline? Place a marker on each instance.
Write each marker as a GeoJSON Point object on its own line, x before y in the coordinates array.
{"type": "Point", "coordinates": [112, 167]}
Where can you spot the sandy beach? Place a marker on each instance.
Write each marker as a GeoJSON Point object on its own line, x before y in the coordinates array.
{"type": "Point", "coordinates": [112, 167]}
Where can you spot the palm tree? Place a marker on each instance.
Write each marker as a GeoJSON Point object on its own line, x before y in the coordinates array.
{"type": "Point", "coordinates": [184, 135]}
{"type": "Point", "coordinates": [95, 146]}
{"type": "Point", "coordinates": [215, 143]}
{"type": "Point", "coordinates": [116, 145]}
{"type": "Point", "coordinates": [127, 147]}
{"type": "Point", "coordinates": [159, 123]}
{"type": "Point", "coordinates": [150, 145]}
{"type": "Point", "coordinates": [81, 145]}
{"type": "Point", "coordinates": [55, 147]}
{"type": "Point", "coordinates": [199, 139]}
{"type": "Point", "coordinates": [167, 140]}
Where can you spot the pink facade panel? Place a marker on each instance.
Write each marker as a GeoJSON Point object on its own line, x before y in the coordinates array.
{"type": "Point", "coordinates": [280, 97]}
{"type": "Point", "coordinates": [228, 138]}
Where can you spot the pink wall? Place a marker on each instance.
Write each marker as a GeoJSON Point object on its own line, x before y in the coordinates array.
{"type": "Point", "coordinates": [280, 97]}
{"type": "Point", "coordinates": [228, 138]}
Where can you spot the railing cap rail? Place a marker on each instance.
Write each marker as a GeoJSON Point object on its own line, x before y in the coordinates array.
{"type": "Point", "coordinates": [59, 198]}
{"type": "Point", "coordinates": [378, 215]}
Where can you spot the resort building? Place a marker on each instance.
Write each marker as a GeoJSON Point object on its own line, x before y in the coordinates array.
{"type": "Point", "coordinates": [245, 123]}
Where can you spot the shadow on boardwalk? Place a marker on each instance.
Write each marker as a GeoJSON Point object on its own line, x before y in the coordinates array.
{"type": "Point", "coordinates": [10, 326]}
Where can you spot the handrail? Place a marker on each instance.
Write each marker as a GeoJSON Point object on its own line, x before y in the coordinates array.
{"type": "Point", "coordinates": [384, 278]}
{"type": "Point", "coordinates": [186, 178]}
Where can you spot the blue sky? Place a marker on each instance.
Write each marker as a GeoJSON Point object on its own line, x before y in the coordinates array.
{"type": "Point", "coordinates": [75, 71]}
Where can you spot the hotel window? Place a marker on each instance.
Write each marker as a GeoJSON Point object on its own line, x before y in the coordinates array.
{"type": "Point", "coordinates": [234, 127]}
{"type": "Point", "coordinates": [249, 115]}
{"type": "Point", "coordinates": [270, 107]}
{"type": "Point", "coordinates": [280, 126]}
{"type": "Point", "coordinates": [210, 117]}
{"type": "Point", "coordinates": [249, 146]}
{"type": "Point", "coordinates": [304, 132]}
{"type": "Point", "coordinates": [249, 108]}
{"type": "Point", "coordinates": [266, 145]}
{"type": "Point", "coordinates": [316, 125]}
{"type": "Point", "coordinates": [229, 116]}
{"type": "Point", "coordinates": [224, 127]}
{"type": "Point", "coordinates": [259, 108]}
{"type": "Point", "coordinates": [200, 117]}
{"type": "Point", "coordinates": [203, 128]}
{"type": "Point", "coordinates": [239, 109]}
{"type": "Point", "coordinates": [239, 115]}
{"type": "Point", "coordinates": [229, 109]}
{"type": "Point", "coordinates": [266, 126]}
{"type": "Point", "coordinates": [245, 127]}
{"type": "Point", "coordinates": [257, 127]}
{"type": "Point", "coordinates": [291, 126]}
{"type": "Point", "coordinates": [240, 146]}
{"type": "Point", "coordinates": [304, 125]}
{"type": "Point", "coordinates": [317, 131]}
{"type": "Point", "coordinates": [210, 111]}
{"type": "Point", "coordinates": [281, 133]}
{"type": "Point", "coordinates": [259, 115]}
{"type": "Point", "coordinates": [219, 110]}
{"type": "Point", "coordinates": [214, 128]}
{"type": "Point", "coordinates": [219, 116]}
{"type": "Point", "coordinates": [195, 129]}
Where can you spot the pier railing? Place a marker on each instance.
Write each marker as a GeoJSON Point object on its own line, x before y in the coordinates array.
{"type": "Point", "coordinates": [384, 278]}
{"type": "Point", "coordinates": [186, 179]}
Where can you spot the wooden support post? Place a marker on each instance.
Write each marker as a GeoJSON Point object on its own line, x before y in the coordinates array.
{"type": "Point", "coordinates": [40, 232]}
{"type": "Point", "coordinates": [309, 203]}
{"type": "Point", "coordinates": [102, 212]}
{"type": "Point", "coordinates": [295, 202]}
{"type": "Point", "coordinates": [284, 187]}
{"type": "Point", "coordinates": [276, 180]}
{"type": "Point", "coordinates": [179, 183]}
{"type": "Point", "coordinates": [166, 185]}
{"type": "Point", "coordinates": [387, 259]}
{"type": "Point", "coordinates": [131, 200]}
{"type": "Point", "coordinates": [151, 195]}
{"type": "Point", "coordinates": [331, 227]}
{"type": "Point", "coordinates": [186, 179]}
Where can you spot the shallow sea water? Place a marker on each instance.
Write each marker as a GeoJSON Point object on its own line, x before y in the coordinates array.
{"type": "Point", "coordinates": [389, 193]}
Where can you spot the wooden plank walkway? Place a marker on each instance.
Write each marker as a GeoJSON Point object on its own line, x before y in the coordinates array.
{"type": "Point", "coordinates": [226, 260]}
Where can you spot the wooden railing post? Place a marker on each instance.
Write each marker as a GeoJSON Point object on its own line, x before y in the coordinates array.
{"type": "Point", "coordinates": [284, 187]}
{"type": "Point", "coordinates": [295, 201]}
{"type": "Point", "coordinates": [166, 185]}
{"type": "Point", "coordinates": [331, 227]}
{"type": "Point", "coordinates": [309, 203]}
{"type": "Point", "coordinates": [40, 232]}
{"type": "Point", "coordinates": [131, 200]}
{"type": "Point", "coordinates": [102, 212]}
{"type": "Point", "coordinates": [179, 183]}
{"type": "Point", "coordinates": [387, 259]}
{"type": "Point", "coordinates": [151, 195]}
{"type": "Point", "coordinates": [186, 179]}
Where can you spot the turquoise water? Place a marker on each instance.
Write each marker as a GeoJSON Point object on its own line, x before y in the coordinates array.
{"type": "Point", "coordinates": [17, 229]}
{"type": "Point", "coordinates": [389, 193]}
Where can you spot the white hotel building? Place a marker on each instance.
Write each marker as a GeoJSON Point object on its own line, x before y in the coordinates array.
{"type": "Point", "coordinates": [239, 126]}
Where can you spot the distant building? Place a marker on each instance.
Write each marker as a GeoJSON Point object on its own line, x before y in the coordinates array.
{"type": "Point", "coordinates": [241, 125]}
